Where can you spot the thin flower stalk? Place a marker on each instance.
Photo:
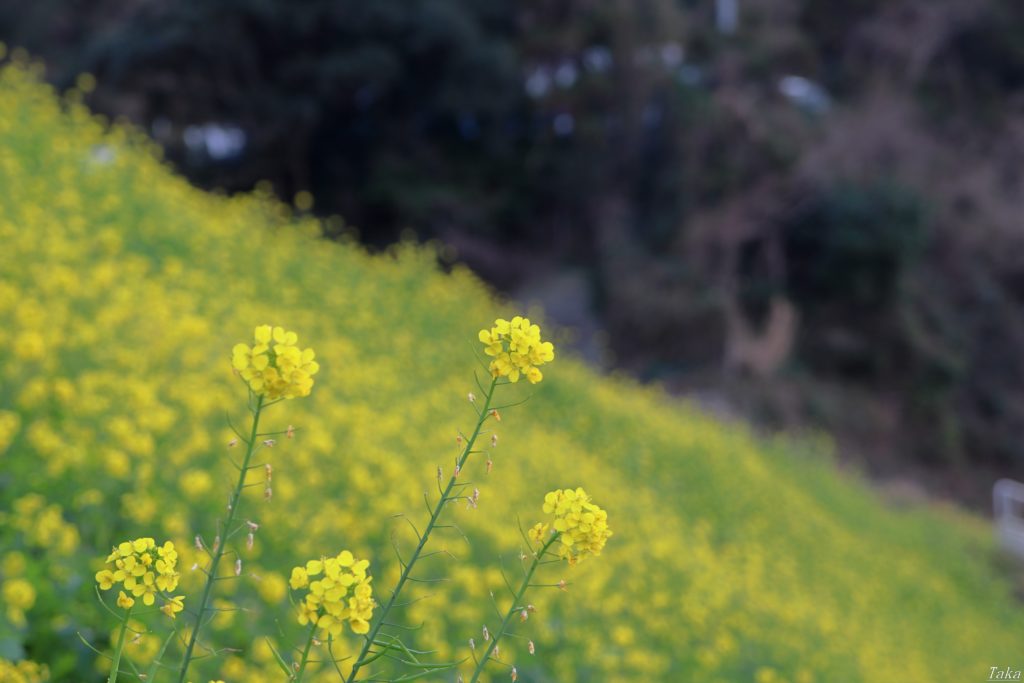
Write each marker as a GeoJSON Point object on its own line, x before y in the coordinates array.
{"type": "Point", "coordinates": [305, 656]}
{"type": "Point", "coordinates": [116, 663]}
{"type": "Point", "coordinates": [364, 653]}
{"type": "Point", "coordinates": [275, 369]}
{"type": "Point", "coordinates": [516, 608]}
{"type": "Point", "coordinates": [218, 549]}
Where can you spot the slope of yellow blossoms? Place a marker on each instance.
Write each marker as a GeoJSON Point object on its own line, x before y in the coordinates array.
{"type": "Point", "coordinates": [122, 291]}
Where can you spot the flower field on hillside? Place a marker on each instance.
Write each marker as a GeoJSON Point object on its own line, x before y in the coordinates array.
{"type": "Point", "coordinates": [123, 291]}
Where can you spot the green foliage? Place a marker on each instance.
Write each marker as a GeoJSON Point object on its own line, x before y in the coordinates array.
{"type": "Point", "coordinates": [734, 558]}
{"type": "Point", "coordinates": [849, 246]}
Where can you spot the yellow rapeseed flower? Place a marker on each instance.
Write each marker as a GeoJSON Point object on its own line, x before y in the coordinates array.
{"type": "Point", "coordinates": [144, 569]}
{"type": "Point", "coordinates": [299, 578]}
{"type": "Point", "coordinates": [581, 525]}
{"type": "Point", "coordinates": [24, 671]}
{"type": "Point", "coordinates": [274, 366]}
{"type": "Point", "coordinates": [173, 606]}
{"type": "Point", "coordinates": [343, 594]}
{"type": "Point", "coordinates": [18, 595]}
{"type": "Point", "coordinates": [517, 349]}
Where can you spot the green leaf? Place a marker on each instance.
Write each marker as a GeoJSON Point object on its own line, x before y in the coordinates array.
{"type": "Point", "coordinates": [279, 659]}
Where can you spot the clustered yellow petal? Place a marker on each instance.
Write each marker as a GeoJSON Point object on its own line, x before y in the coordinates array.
{"type": "Point", "coordinates": [18, 595]}
{"type": "Point", "coordinates": [24, 671]}
{"type": "Point", "coordinates": [173, 606]}
{"type": "Point", "coordinates": [274, 366]}
{"type": "Point", "coordinates": [342, 594]}
{"type": "Point", "coordinates": [517, 349]}
{"type": "Point", "coordinates": [144, 570]}
{"type": "Point", "coordinates": [582, 526]}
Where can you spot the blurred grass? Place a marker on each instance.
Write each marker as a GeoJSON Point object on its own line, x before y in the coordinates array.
{"type": "Point", "coordinates": [123, 290]}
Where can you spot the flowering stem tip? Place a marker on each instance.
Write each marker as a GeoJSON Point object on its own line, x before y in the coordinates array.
{"type": "Point", "coordinates": [144, 570]}
{"type": "Point", "coordinates": [517, 349]}
{"type": "Point", "coordinates": [274, 369]}
{"type": "Point", "coordinates": [579, 530]}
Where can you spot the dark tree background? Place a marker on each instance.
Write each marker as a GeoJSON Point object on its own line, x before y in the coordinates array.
{"type": "Point", "coordinates": [812, 217]}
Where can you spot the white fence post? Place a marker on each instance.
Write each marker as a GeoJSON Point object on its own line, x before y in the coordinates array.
{"type": "Point", "coordinates": [1008, 505]}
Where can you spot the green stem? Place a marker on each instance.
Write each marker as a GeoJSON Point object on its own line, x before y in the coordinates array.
{"type": "Point", "coordinates": [305, 655]}
{"type": "Point", "coordinates": [116, 664]}
{"type": "Point", "coordinates": [218, 551]}
{"type": "Point", "coordinates": [407, 570]}
{"type": "Point", "coordinates": [516, 607]}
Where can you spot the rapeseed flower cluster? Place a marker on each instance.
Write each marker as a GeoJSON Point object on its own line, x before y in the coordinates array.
{"type": "Point", "coordinates": [582, 527]}
{"type": "Point", "coordinates": [24, 671]}
{"type": "Point", "coordinates": [343, 594]}
{"type": "Point", "coordinates": [274, 366]}
{"type": "Point", "coordinates": [517, 349]}
{"type": "Point", "coordinates": [18, 597]}
{"type": "Point", "coordinates": [42, 524]}
{"type": "Point", "coordinates": [143, 569]}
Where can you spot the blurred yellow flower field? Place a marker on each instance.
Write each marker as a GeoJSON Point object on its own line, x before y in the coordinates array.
{"type": "Point", "coordinates": [123, 291]}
